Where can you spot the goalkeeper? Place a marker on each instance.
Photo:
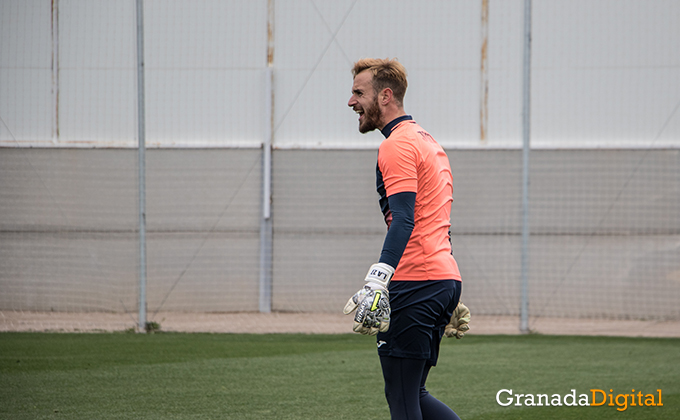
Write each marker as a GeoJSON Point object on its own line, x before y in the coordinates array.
{"type": "Point", "coordinates": [411, 293]}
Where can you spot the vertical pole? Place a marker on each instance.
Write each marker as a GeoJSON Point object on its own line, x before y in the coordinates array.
{"type": "Point", "coordinates": [484, 70]}
{"type": "Point", "coordinates": [55, 71]}
{"type": "Point", "coordinates": [266, 229]}
{"type": "Point", "coordinates": [141, 163]}
{"type": "Point", "coordinates": [526, 114]}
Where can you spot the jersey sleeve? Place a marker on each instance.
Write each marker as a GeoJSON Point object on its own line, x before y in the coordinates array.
{"type": "Point", "coordinates": [397, 161]}
{"type": "Point", "coordinates": [399, 233]}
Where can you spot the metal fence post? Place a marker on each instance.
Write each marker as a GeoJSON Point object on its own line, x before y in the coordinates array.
{"type": "Point", "coordinates": [266, 228]}
{"type": "Point", "coordinates": [526, 145]}
{"type": "Point", "coordinates": [141, 163]}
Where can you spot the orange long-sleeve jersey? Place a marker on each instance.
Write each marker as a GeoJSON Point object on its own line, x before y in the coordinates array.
{"type": "Point", "coordinates": [410, 160]}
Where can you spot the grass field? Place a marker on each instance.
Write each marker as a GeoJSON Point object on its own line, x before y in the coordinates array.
{"type": "Point", "coordinates": [226, 376]}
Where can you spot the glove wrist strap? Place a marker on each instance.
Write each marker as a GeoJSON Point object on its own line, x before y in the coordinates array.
{"type": "Point", "coordinates": [381, 274]}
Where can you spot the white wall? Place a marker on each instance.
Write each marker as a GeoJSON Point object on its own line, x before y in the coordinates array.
{"type": "Point", "coordinates": [604, 73]}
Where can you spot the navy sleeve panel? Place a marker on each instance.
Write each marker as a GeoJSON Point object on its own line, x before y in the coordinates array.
{"type": "Point", "coordinates": [402, 206]}
{"type": "Point", "coordinates": [380, 187]}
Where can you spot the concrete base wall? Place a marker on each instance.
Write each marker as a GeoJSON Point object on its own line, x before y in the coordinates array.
{"type": "Point", "coordinates": [605, 230]}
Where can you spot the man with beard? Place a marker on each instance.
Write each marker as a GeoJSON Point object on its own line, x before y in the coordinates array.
{"type": "Point", "coordinates": [411, 293]}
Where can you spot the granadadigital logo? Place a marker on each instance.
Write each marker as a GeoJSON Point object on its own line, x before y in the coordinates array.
{"type": "Point", "coordinates": [596, 398]}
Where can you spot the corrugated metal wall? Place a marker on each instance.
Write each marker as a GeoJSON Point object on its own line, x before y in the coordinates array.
{"type": "Point", "coordinates": [604, 73]}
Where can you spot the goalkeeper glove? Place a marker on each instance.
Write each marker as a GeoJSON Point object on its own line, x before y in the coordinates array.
{"type": "Point", "coordinates": [372, 302]}
{"type": "Point", "coordinates": [459, 323]}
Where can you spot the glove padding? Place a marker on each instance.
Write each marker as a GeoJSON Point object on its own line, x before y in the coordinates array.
{"type": "Point", "coordinates": [459, 323]}
{"type": "Point", "coordinates": [372, 302]}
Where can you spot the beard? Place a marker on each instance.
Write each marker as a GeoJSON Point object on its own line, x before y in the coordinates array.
{"type": "Point", "coordinates": [372, 118]}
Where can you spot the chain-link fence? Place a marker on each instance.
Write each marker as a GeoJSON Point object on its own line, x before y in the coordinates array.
{"type": "Point", "coordinates": [604, 197]}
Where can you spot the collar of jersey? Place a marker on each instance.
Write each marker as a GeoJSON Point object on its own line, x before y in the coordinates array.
{"type": "Point", "coordinates": [387, 130]}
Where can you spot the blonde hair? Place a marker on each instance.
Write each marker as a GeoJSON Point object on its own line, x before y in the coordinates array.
{"type": "Point", "coordinates": [387, 73]}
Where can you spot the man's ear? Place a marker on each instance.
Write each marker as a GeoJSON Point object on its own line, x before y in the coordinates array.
{"type": "Point", "coordinates": [386, 96]}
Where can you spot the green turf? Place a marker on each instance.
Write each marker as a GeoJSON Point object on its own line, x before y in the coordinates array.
{"type": "Point", "coordinates": [225, 376]}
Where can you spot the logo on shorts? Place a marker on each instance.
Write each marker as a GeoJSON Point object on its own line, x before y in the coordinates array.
{"type": "Point", "coordinates": [380, 343]}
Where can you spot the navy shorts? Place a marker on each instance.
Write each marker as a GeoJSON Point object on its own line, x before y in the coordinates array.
{"type": "Point", "coordinates": [420, 312]}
